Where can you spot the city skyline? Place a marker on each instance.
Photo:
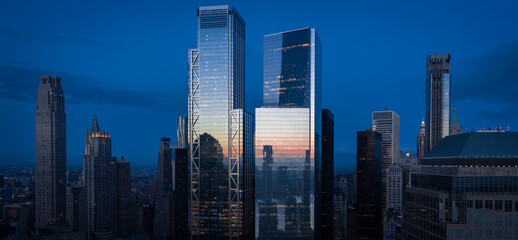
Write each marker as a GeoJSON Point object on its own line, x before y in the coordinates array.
{"type": "Point", "coordinates": [22, 68]}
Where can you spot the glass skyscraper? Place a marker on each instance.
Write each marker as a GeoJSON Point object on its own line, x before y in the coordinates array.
{"type": "Point", "coordinates": [288, 137]}
{"type": "Point", "coordinates": [220, 131]}
{"type": "Point", "coordinates": [437, 119]}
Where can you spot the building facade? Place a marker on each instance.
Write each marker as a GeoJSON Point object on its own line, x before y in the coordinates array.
{"type": "Point", "coordinates": [126, 202]}
{"type": "Point", "coordinates": [288, 138]}
{"type": "Point", "coordinates": [182, 130]}
{"type": "Point", "coordinates": [466, 189]}
{"type": "Point", "coordinates": [328, 173]}
{"type": "Point", "coordinates": [437, 110]}
{"type": "Point", "coordinates": [163, 225]}
{"type": "Point", "coordinates": [387, 123]}
{"type": "Point", "coordinates": [51, 159]}
{"type": "Point", "coordinates": [220, 131]}
{"type": "Point", "coordinates": [100, 178]}
{"type": "Point", "coordinates": [369, 213]}
{"type": "Point", "coordinates": [181, 193]}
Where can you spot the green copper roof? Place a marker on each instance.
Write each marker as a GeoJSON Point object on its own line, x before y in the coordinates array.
{"type": "Point", "coordinates": [95, 125]}
{"type": "Point", "coordinates": [477, 145]}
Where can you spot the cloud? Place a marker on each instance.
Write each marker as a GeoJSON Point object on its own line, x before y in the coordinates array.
{"type": "Point", "coordinates": [21, 35]}
{"type": "Point", "coordinates": [21, 83]}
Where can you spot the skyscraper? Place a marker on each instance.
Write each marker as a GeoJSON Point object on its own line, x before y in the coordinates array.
{"type": "Point", "coordinates": [387, 123]}
{"type": "Point", "coordinates": [288, 137]}
{"type": "Point", "coordinates": [438, 93]}
{"type": "Point", "coordinates": [126, 202]}
{"type": "Point", "coordinates": [100, 174]}
{"type": "Point", "coordinates": [181, 193]}
{"type": "Point", "coordinates": [369, 204]}
{"type": "Point", "coordinates": [51, 155]}
{"type": "Point", "coordinates": [182, 130]}
{"type": "Point", "coordinates": [421, 143]}
{"type": "Point", "coordinates": [220, 131]}
{"type": "Point", "coordinates": [455, 127]}
{"type": "Point", "coordinates": [328, 173]}
{"type": "Point", "coordinates": [164, 205]}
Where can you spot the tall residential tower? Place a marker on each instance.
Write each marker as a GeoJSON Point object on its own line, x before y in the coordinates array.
{"type": "Point", "coordinates": [51, 155]}
{"type": "Point", "coordinates": [437, 113]}
{"type": "Point", "coordinates": [288, 137]}
{"type": "Point", "coordinates": [220, 131]}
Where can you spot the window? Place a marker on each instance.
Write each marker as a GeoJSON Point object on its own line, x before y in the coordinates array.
{"type": "Point", "coordinates": [478, 204]}
{"type": "Point", "coordinates": [498, 205]}
{"type": "Point", "coordinates": [508, 220]}
{"type": "Point", "coordinates": [498, 220]}
{"type": "Point", "coordinates": [489, 205]}
{"type": "Point", "coordinates": [508, 205]}
{"type": "Point", "coordinates": [469, 204]}
{"type": "Point", "coordinates": [488, 220]}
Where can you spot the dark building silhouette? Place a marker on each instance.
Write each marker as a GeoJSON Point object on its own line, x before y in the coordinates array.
{"type": "Point", "coordinates": [51, 159]}
{"type": "Point", "coordinates": [181, 193]}
{"type": "Point", "coordinates": [100, 177]}
{"type": "Point", "coordinates": [437, 111]}
{"type": "Point", "coordinates": [421, 143]}
{"type": "Point", "coordinates": [328, 173]}
{"type": "Point", "coordinates": [369, 216]}
{"type": "Point", "coordinates": [126, 202]}
{"type": "Point", "coordinates": [76, 207]}
{"type": "Point", "coordinates": [164, 205]}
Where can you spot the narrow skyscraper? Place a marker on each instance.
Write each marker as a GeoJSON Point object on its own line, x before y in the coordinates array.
{"type": "Point", "coordinates": [328, 145]}
{"type": "Point", "coordinates": [100, 174]}
{"type": "Point", "coordinates": [437, 119]}
{"type": "Point", "coordinates": [421, 143]}
{"type": "Point", "coordinates": [126, 202]}
{"type": "Point", "coordinates": [455, 127]}
{"type": "Point", "coordinates": [220, 131]}
{"type": "Point", "coordinates": [288, 137]}
{"type": "Point", "coordinates": [182, 130]}
{"type": "Point", "coordinates": [369, 212]}
{"type": "Point", "coordinates": [51, 154]}
{"type": "Point", "coordinates": [387, 123]}
{"type": "Point", "coordinates": [164, 204]}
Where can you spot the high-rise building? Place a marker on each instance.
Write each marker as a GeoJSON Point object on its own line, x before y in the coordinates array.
{"type": "Point", "coordinates": [100, 174]}
{"type": "Point", "coordinates": [76, 207]}
{"type": "Point", "coordinates": [455, 127]}
{"type": "Point", "coordinates": [182, 129]}
{"type": "Point", "coordinates": [288, 138]}
{"type": "Point", "coordinates": [421, 143]}
{"type": "Point", "coordinates": [126, 202]}
{"type": "Point", "coordinates": [437, 119]}
{"type": "Point", "coordinates": [394, 188]}
{"type": "Point", "coordinates": [51, 154]}
{"type": "Point", "coordinates": [163, 225]}
{"type": "Point", "coordinates": [181, 193]}
{"type": "Point", "coordinates": [387, 123]}
{"type": "Point", "coordinates": [369, 214]}
{"type": "Point", "coordinates": [465, 189]}
{"type": "Point", "coordinates": [328, 173]}
{"type": "Point", "coordinates": [220, 131]}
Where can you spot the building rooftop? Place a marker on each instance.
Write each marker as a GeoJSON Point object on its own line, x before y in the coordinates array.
{"type": "Point", "coordinates": [476, 145]}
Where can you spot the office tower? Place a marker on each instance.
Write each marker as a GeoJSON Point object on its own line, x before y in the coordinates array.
{"type": "Point", "coordinates": [100, 174]}
{"type": "Point", "coordinates": [126, 202]}
{"type": "Point", "coordinates": [76, 207]}
{"type": "Point", "coordinates": [165, 169]}
{"type": "Point", "coordinates": [421, 143]}
{"type": "Point", "coordinates": [437, 119]}
{"type": "Point", "coordinates": [340, 215]}
{"type": "Point", "coordinates": [465, 189]}
{"type": "Point", "coordinates": [164, 204]}
{"type": "Point", "coordinates": [288, 137]}
{"type": "Point", "coordinates": [182, 129]}
{"type": "Point", "coordinates": [328, 173]}
{"type": "Point", "coordinates": [181, 193]}
{"type": "Point", "coordinates": [369, 206]}
{"type": "Point", "coordinates": [387, 123]}
{"type": "Point", "coordinates": [51, 153]}
{"type": "Point", "coordinates": [455, 127]}
{"type": "Point", "coordinates": [394, 201]}
{"type": "Point", "coordinates": [220, 131]}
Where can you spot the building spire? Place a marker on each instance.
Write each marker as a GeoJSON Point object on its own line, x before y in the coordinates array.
{"type": "Point", "coordinates": [95, 125]}
{"type": "Point", "coordinates": [455, 127]}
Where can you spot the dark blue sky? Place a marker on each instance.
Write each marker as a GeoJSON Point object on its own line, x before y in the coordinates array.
{"type": "Point", "coordinates": [126, 61]}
